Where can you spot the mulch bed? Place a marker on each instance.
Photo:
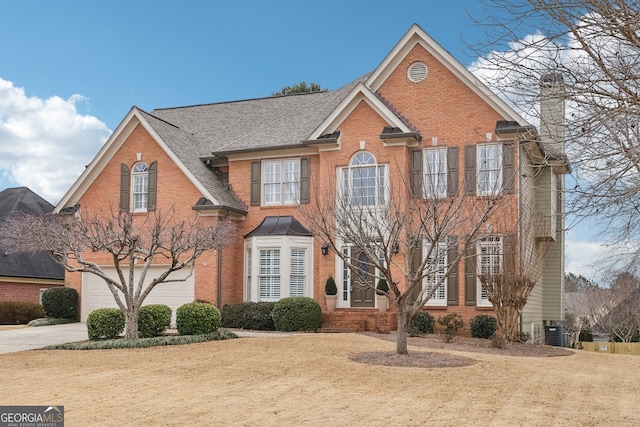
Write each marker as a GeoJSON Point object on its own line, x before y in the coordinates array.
{"type": "Point", "coordinates": [446, 360]}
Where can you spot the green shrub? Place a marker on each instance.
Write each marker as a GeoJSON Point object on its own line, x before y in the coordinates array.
{"type": "Point", "coordinates": [422, 323]}
{"type": "Point", "coordinates": [249, 315]}
{"type": "Point", "coordinates": [197, 318]}
{"type": "Point", "coordinates": [153, 320]}
{"type": "Point", "coordinates": [451, 322]}
{"type": "Point", "coordinates": [233, 314]}
{"type": "Point", "coordinates": [105, 323]}
{"type": "Point", "coordinates": [382, 286]}
{"type": "Point", "coordinates": [260, 316]}
{"type": "Point", "coordinates": [61, 302]}
{"type": "Point", "coordinates": [297, 314]}
{"type": "Point", "coordinates": [19, 313]}
{"type": "Point", "coordinates": [586, 335]}
{"type": "Point", "coordinates": [330, 287]}
{"type": "Point", "coordinates": [483, 326]}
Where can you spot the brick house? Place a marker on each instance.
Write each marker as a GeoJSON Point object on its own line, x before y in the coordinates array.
{"type": "Point", "coordinates": [253, 160]}
{"type": "Point", "coordinates": [24, 276]}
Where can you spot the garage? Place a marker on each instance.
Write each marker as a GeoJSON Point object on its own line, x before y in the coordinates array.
{"type": "Point", "coordinates": [96, 293]}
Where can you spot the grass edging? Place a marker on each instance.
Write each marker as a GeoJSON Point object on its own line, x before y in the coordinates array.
{"type": "Point", "coordinates": [143, 342]}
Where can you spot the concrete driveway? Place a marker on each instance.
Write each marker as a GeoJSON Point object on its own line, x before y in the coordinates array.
{"type": "Point", "coordinates": [29, 338]}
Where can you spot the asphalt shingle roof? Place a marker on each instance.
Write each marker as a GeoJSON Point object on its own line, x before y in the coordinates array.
{"type": "Point", "coordinates": [38, 265]}
{"type": "Point", "coordinates": [197, 132]}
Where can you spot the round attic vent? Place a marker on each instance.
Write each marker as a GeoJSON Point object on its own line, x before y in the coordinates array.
{"type": "Point", "coordinates": [417, 72]}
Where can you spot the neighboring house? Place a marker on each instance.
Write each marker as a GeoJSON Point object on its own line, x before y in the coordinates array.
{"type": "Point", "coordinates": [254, 160]}
{"type": "Point", "coordinates": [23, 276]}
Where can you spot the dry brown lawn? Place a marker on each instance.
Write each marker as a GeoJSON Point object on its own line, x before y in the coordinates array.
{"type": "Point", "coordinates": [313, 379]}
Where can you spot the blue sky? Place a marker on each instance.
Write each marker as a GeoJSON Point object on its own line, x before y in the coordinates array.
{"type": "Point", "coordinates": [71, 70]}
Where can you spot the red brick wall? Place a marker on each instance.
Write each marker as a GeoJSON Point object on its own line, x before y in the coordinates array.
{"type": "Point", "coordinates": [23, 292]}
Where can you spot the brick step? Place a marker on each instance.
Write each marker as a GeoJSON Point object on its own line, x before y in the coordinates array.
{"type": "Point", "coordinates": [358, 320]}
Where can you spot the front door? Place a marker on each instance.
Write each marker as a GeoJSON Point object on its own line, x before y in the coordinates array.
{"type": "Point", "coordinates": [362, 284]}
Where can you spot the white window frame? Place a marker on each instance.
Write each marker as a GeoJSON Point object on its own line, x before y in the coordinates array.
{"type": "Point", "coordinates": [438, 270]}
{"type": "Point", "coordinates": [489, 167]}
{"type": "Point", "coordinates": [360, 162]}
{"type": "Point", "coordinates": [285, 182]}
{"type": "Point", "coordinates": [273, 272]}
{"type": "Point", "coordinates": [435, 172]}
{"type": "Point", "coordinates": [140, 187]}
{"type": "Point", "coordinates": [491, 258]}
{"type": "Point", "coordinates": [287, 245]}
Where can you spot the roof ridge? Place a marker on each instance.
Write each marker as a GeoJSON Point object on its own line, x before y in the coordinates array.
{"type": "Point", "coordinates": [236, 101]}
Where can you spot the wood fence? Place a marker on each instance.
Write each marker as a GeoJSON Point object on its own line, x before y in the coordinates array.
{"type": "Point", "coordinates": [612, 347]}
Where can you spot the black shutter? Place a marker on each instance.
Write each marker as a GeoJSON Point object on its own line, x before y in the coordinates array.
{"type": "Point", "coordinates": [470, 170]}
{"type": "Point", "coordinates": [509, 255]}
{"type": "Point", "coordinates": [255, 183]}
{"type": "Point", "coordinates": [305, 195]}
{"type": "Point", "coordinates": [470, 280]}
{"type": "Point", "coordinates": [124, 187]}
{"type": "Point", "coordinates": [153, 186]}
{"type": "Point", "coordinates": [416, 173]}
{"type": "Point", "coordinates": [508, 175]}
{"type": "Point", "coordinates": [416, 262]}
{"type": "Point", "coordinates": [452, 171]}
{"type": "Point", "coordinates": [452, 279]}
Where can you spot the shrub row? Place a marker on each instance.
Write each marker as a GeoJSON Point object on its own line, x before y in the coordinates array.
{"type": "Point", "coordinates": [19, 313]}
{"type": "Point", "coordinates": [249, 315]}
{"type": "Point", "coordinates": [198, 318]}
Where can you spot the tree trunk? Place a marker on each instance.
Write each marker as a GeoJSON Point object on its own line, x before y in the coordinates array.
{"type": "Point", "coordinates": [131, 323]}
{"type": "Point", "coordinates": [403, 329]}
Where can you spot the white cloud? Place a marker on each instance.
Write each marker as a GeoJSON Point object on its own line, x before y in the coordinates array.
{"type": "Point", "coordinates": [45, 143]}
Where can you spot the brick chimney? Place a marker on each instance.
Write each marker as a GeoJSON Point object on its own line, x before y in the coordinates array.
{"type": "Point", "coordinates": [552, 94]}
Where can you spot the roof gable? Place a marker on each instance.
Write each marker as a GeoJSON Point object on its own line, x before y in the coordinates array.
{"type": "Point", "coordinates": [417, 35]}
{"type": "Point", "coordinates": [180, 147]}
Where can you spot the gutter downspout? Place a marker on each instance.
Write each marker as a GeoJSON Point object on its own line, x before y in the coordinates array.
{"type": "Point", "coordinates": [219, 269]}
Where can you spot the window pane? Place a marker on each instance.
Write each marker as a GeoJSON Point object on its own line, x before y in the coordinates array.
{"type": "Point", "coordinates": [435, 173]}
{"type": "Point", "coordinates": [363, 186]}
{"type": "Point", "coordinates": [291, 181]}
{"type": "Point", "coordinates": [269, 275]}
{"type": "Point", "coordinates": [489, 170]}
{"type": "Point", "coordinates": [437, 267]}
{"type": "Point", "coordinates": [297, 279]}
{"type": "Point", "coordinates": [140, 187]}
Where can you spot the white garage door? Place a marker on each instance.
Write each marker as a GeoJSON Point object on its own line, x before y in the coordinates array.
{"type": "Point", "coordinates": [96, 293]}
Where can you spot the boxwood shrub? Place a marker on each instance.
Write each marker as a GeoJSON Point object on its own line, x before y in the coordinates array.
{"type": "Point", "coordinates": [249, 315]}
{"type": "Point", "coordinates": [60, 303]}
{"type": "Point", "coordinates": [19, 313]}
{"type": "Point", "coordinates": [422, 323]}
{"type": "Point", "coordinates": [105, 323]}
{"type": "Point", "coordinates": [153, 320]}
{"type": "Point", "coordinates": [297, 314]}
{"type": "Point", "coordinates": [197, 318]}
{"type": "Point", "coordinates": [483, 326]}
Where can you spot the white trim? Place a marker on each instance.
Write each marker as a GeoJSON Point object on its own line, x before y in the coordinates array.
{"type": "Point", "coordinates": [108, 151]}
{"type": "Point", "coordinates": [349, 103]}
{"type": "Point", "coordinates": [416, 35]}
{"type": "Point", "coordinates": [251, 291]}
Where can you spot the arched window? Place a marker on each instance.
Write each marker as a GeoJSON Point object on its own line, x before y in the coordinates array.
{"type": "Point", "coordinates": [364, 181]}
{"type": "Point", "coordinates": [140, 186]}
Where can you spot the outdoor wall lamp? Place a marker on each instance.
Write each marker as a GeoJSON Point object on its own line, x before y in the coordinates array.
{"type": "Point", "coordinates": [325, 249]}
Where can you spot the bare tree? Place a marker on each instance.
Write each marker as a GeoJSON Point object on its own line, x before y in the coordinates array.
{"type": "Point", "coordinates": [509, 281]}
{"type": "Point", "coordinates": [594, 46]}
{"type": "Point", "coordinates": [622, 318]}
{"type": "Point", "coordinates": [131, 243]}
{"type": "Point", "coordinates": [404, 240]}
